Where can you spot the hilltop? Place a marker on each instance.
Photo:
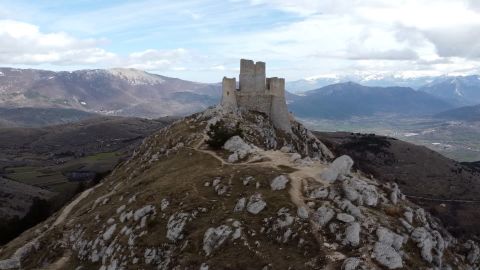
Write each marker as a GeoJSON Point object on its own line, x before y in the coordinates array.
{"type": "Point", "coordinates": [269, 199]}
{"type": "Point", "coordinates": [241, 186]}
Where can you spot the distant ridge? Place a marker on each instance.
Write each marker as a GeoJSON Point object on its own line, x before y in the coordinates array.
{"type": "Point", "coordinates": [467, 113]}
{"type": "Point", "coordinates": [345, 100]}
{"type": "Point", "coordinates": [122, 92]}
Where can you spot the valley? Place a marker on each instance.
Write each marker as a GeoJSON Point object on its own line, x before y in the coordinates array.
{"type": "Point", "coordinates": [458, 140]}
{"type": "Point", "coordinates": [43, 168]}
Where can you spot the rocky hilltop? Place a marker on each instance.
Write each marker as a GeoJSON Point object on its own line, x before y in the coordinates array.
{"type": "Point", "coordinates": [231, 191]}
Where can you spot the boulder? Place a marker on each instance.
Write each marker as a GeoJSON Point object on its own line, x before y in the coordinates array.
{"type": "Point", "coordinates": [390, 238]}
{"type": "Point", "coordinates": [473, 254]}
{"type": "Point", "coordinates": [238, 147]}
{"type": "Point", "coordinates": [302, 212]}
{"type": "Point", "coordinates": [323, 215]}
{"type": "Point", "coordinates": [283, 220]}
{"type": "Point", "coordinates": [387, 256]}
{"type": "Point", "coordinates": [256, 204]}
{"type": "Point", "coordinates": [352, 235]}
{"type": "Point", "coordinates": [215, 237]}
{"type": "Point", "coordinates": [240, 205]}
{"type": "Point", "coordinates": [351, 263]}
{"type": "Point", "coordinates": [175, 225]}
{"type": "Point", "coordinates": [109, 232]}
{"type": "Point", "coordinates": [423, 238]}
{"type": "Point", "coordinates": [395, 194]}
{"type": "Point", "coordinates": [318, 193]}
{"type": "Point", "coordinates": [353, 210]}
{"type": "Point", "coordinates": [340, 166]}
{"type": "Point", "coordinates": [345, 217]}
{"type": "Point", "coordinates": [279, 182]}
{"type": "Point", "coordinates": [360, 192]}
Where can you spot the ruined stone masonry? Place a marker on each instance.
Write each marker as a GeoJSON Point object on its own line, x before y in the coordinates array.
{"type": "Point", "coordinates": [257, 93]}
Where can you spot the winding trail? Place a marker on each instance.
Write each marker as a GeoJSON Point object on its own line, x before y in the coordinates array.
{"type": "Point", "coordinates": [274, 159]}
{"type": "Point", "coordinates": [15, 260]}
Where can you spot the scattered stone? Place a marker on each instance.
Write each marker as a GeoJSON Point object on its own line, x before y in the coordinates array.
{"type": "Point", "coordinates": [395, 194]}
{"type": "Point", "coordinates": [256, 203]}
{"type": "Point", "coordinates": [164, 204]}
{"type": "Point", "coordinates": [221, 189]}
{"type": "Point", "coordinates": [302, 212]}
{"type": "Point", "coordinates": [279, 182]}
{"type": "Point", "coordinates": [109, 232]}
{"type": "Point", "coordinates": [408, 216]}
{"type": "Point", "coordinates": [345, 217]}
{"type": "Point", "coordinates": [339, 167]}
{"type": "Point", "coordinates": [423, 238]}
{"type": "Point", "coordinates": [238, 147]}
{"type": "Point", "coordinates": [473, 254]}
{"type": "Point", "coordinates": [121, 209]}
{"type": "Point", "coordinates": [318, 193]}
{"type": "Point", "coordinates": [216, 181]}
{"type": "Point", "coordinates": [247, 180]}
{"type": "Point", "coordinates": [323, 215]}
{"type": "Point", "coordinates": [351, 263]}
{"type": "Point", "coordinates": [147, 209]}
{"type": "Point", "coordinates": [346, 205]}
{"type": "Point", "coordinates": [284, 219]}
{"type": "Point", "coordinates": [387, 256]}
{"type": "Point", "coordinates": [215, 237]}
{"type": "Point", "coordinates": [240, 205]}
{"type": "Point", "coordinates": [420, 216]}
{"type": "Point", "coordinates": [352, 234]}
{"type": "Point", "coordinates": [176, 224]}
{"type": "Point", "coordinates": [390, 238]}
{"type": "Point", "coordinates": [358, 191]}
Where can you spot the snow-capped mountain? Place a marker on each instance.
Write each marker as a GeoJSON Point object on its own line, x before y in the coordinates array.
{"type": "Point", "coordinates": [460, 90]}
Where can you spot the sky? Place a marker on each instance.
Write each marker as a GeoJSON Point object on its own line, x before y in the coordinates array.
{"type": "Point", "coordinates": [203, 40]}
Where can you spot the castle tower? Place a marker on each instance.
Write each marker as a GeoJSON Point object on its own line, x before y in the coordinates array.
{"type": "Point", "coordinates": [252, 76]}
{"type": "Point", "coordinates": [257, 93]}
{"type": "Point", "coordinates": [229, 98]}
{"type": "Point", "coordinates": [279, 111]}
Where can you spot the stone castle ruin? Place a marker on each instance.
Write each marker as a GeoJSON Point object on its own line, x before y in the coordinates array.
{"type": "Point", "coordinates": [257, 93]}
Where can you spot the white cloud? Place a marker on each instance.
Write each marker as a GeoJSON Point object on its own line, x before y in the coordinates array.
{"type": "Point", "coordinates": [203, 39]}
{"type": "Point", "coordinates": [23, 43]}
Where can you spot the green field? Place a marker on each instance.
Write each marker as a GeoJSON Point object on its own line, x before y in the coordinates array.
{"type": "Point", "coordinates": [53, 178]}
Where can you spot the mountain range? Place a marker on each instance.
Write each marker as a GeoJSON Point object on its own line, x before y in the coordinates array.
{"type": "Point", "coordinates": [37, 97]}
{"type": "Point", "coordinates": [458, 90]}
{"type": "Point", "coordinates": [345, 100]}
{"type": "Point", "coordinates": [123, 92]}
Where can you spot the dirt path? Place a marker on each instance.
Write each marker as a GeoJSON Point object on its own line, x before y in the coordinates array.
{"type": "Point", "coordinates": [67, 209]}
{"type": "Point", "coordinates": [274, 159]}
{"type": "Point", "coordinates": [60, 263]}
{"type": "Point", "coordinates": [17, 256]}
